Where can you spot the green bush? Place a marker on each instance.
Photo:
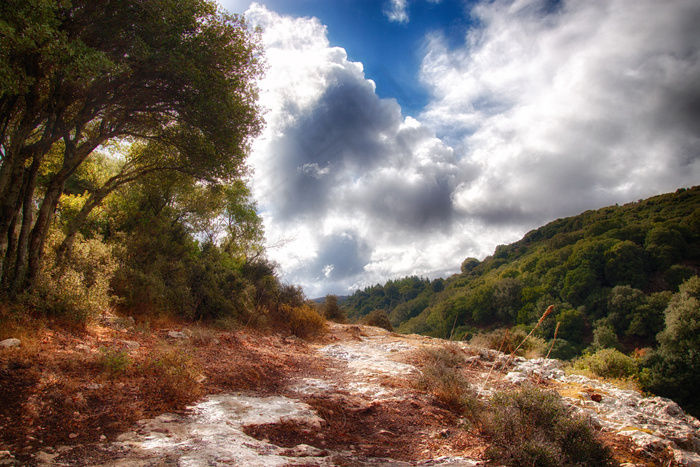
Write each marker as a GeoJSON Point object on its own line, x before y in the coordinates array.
{"type": "Point", "coordinates": [332, 311]}
{"type": "Point", "coordinates": [531, 427]}
{"type": "Point", "coordinates": [380, 319]}
{"type": "Point", "coordinates": [674, 369]}
{"type": "Point", "coordinates": [80, 290]}
{"type": "Point", "coordinates": [608, 363]}
{"type": "Point", "coordinates": [114, 362]}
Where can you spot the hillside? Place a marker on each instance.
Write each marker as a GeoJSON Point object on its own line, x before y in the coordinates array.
{"type": "Point", "coordinates": [610, 273]}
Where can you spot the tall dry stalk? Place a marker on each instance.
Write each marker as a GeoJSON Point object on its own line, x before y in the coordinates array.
{"type": "Point", "coordinates": [554, 339]}
{"type": "Point", "coordinates": [546, 313]}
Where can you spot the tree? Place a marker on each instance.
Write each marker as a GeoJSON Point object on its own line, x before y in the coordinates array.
{"type": "Point", "coordinates": [331, 310]}
{"type": "Point", "coordinates": [176, 73]}
{"type": "Point", "coordinates": [675, 369]}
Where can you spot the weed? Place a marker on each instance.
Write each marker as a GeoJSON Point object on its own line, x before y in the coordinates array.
{"type": "Point", "coordinates": [450, 355]}
{"type": "Point", "coordinates": [442, 377]}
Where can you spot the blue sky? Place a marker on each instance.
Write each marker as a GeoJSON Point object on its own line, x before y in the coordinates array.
{"type": "Point", "coordinates": [403, 136]}
{"type": "Point", "coordinates": [391, 50]}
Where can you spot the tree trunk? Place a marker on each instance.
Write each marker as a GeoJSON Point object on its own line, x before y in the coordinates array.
{"type": "Point", "coordinates": [73, 156]}
{"type": "Point", "coordinates": [27, 220]}
{"type": "Point", "coordinates": [8, 211]}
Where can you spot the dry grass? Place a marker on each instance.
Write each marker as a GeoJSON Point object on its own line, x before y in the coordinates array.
{"type": "Point", "coordinates": [174, 374]}
{"type": "Point", "coordinates": [442, 376]}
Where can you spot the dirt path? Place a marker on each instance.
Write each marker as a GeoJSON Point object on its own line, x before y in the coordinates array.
{"type": "Point", "coordinates": [349, 399]}
{"type": "Point", "coordinates": [361, 410]}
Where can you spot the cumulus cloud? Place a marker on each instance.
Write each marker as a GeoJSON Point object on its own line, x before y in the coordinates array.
{"type": "Point", "coordinates": [548, 109]}
{"type": "Point", "coordinates": [570, 107]}
{"type": "Point", "coordinates": [339, 171]}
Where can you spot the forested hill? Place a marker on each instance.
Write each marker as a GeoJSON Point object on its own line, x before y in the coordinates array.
{"type": "Point", "coordinates": [610, 271]}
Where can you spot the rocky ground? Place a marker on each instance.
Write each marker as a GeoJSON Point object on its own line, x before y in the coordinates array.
{"type": "Point", "coordinates": [108, 397]}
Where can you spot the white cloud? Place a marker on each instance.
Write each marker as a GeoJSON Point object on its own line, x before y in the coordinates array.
{"type": "Point", "coordinates": [397, 10]}
{"type": "Point", "coordinates": [587, 105]}
{"type": "Point", "coordinates": [356, 186]}
{"type": "Point", "coordinates": [545, 112]}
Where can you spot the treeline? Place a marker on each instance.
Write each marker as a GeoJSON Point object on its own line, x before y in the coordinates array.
{"type": "Point", "coordinates": [611, 275]}
{"type": "Point", "coordinates": [124, 131]}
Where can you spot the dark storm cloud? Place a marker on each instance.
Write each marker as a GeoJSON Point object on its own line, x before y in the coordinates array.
{"type": "Point", "coordinates": [339, 257]}
{"type": "Point", "coordinates": [421, 205]}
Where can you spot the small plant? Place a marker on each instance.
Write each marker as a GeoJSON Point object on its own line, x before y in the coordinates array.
{"type": "Point", "coordinates": [114, 362]}
{"type": "Point", "coordinates": [531, 427]}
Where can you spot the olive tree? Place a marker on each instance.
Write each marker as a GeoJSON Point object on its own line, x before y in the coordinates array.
{"type": "Point", "coordinates": [179, 75]}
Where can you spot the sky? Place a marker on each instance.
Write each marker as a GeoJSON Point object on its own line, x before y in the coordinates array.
{"type": "Point", "coordinates": [403, 136]}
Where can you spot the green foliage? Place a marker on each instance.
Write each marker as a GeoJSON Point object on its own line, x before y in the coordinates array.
{"type": "Point", "coordinates": [114, 362]}
{"type": "Point", "coordinates": [604, 337]}
{"type": "Point", "coordinates": [191, 68]}
{"type": "Point", "coordinates": [619, 263]}
{"type": "Point", "coordinates": [80, 289]}
{"type": "Point", "coordinates": [608, 363]}
{"type": "Point", "coordinates": [332, 311]}
{"type": "Point", "coordinates": [531, 427]}
{"type": "Point", "coordinates": [674, 370]}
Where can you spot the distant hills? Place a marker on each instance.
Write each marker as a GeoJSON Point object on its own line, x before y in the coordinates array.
{"type": "Point", "coordinates": [612, 269]}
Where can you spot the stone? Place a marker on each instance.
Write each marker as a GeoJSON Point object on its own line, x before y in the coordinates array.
{"type": "Point", "coordinates": [177, 335]}
{"type": "Point", "coordinates": [304, 450]}
{"type": "Point", "coordinates": [131, 345]}
{"type": "Point", "coordinates": [10, 343]}
{"type": "Point", "coordinates": [45, 457]}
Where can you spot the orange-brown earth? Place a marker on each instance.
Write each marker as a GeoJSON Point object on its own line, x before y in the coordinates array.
{"type": "Point", "coordinates": [67, 395]}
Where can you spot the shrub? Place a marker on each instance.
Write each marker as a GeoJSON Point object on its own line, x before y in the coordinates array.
{"type": "Point", "coordinates": [508, 340]}
{"type": "Point", "coordinates": [81, 289]}
{"type": "Point", "coordinates": [450, 355]}
{"type": "Point", "coordinates": [174, 375]}
{"type": "Point", "coordinates": [304, 321]}
{"type": "Point", "coordinates": [530, 427]}
{"type": "Point", "coordinates": [332, 311]}
{"type": "Point", "coordinates": [608, 363]}
{"type": "Point", "coordinates": [441, 376]}
{"type": "Point", "coordinates": [674, 370]}
{"type": "Point", "coordinates": [380, 319]}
